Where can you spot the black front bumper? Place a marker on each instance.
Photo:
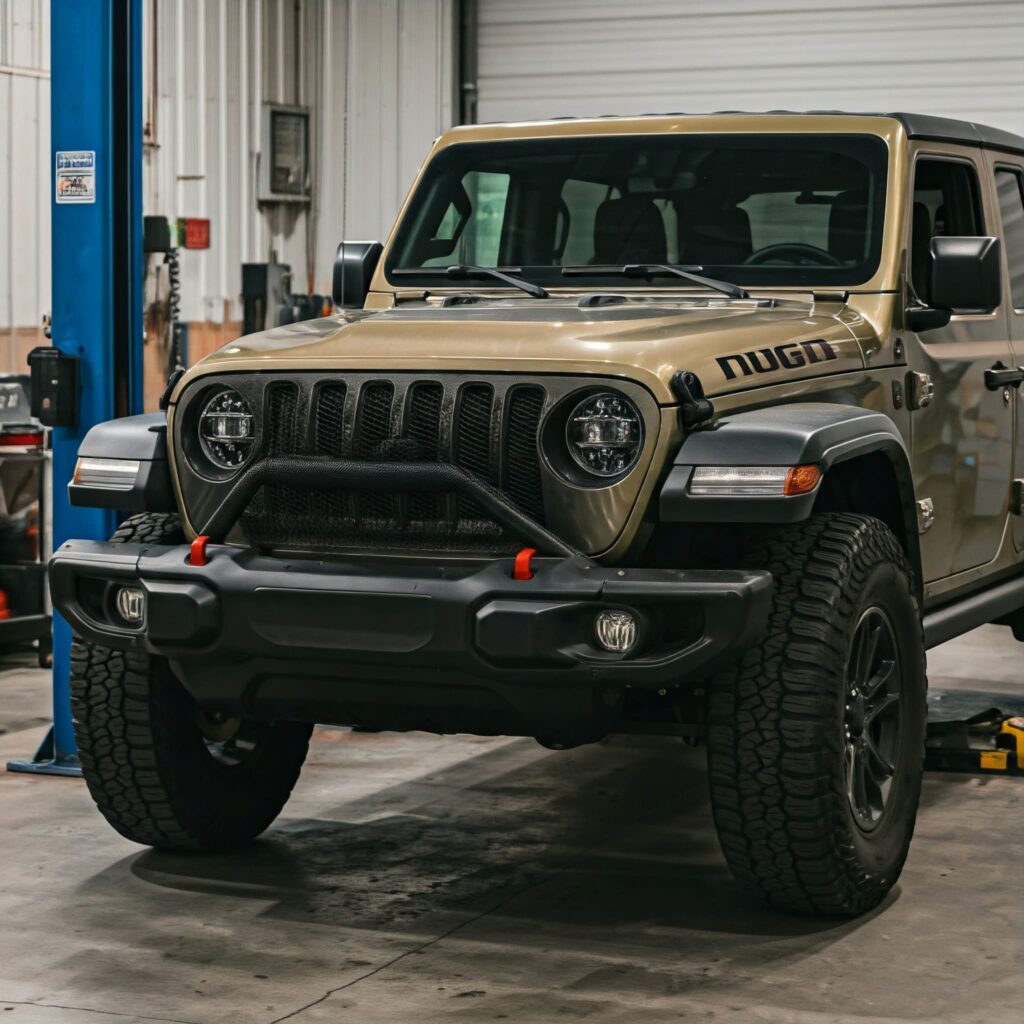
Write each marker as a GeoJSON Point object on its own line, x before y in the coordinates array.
{"type": "Point", "coordinates": [449, 648]}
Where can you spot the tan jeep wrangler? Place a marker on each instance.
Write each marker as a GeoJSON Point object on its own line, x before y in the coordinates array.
{"type": "Point", "coordinates": [697, 425]}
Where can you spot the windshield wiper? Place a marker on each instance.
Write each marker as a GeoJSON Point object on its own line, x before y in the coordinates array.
{"type": "Point", "coordinates": [463, 270]}
{"type": "Point", "coordinates": [654, 269]}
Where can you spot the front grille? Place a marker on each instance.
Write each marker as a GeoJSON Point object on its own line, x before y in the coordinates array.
{"type": "Point", "coordinates": [488, 428]}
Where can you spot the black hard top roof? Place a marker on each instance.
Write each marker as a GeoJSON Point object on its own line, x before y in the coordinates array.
{"type": "Point", "coordinates": [947, 129]}
{"type": "Point", "coordinates": [917, 126]}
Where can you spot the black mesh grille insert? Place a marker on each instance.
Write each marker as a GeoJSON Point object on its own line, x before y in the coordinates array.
{"type": "Point", "coordinates": [424, 419]}
{"type": "Point", "coordinates": [487, 427]}
{"type": "Point", "coordinates": [473, 440]}
{"type": "Point", "coordinates": [274, 508]}
{"type": "Point", "coordinates": [374, 421]}
{"type": "Point", "coordinates": [285, 429]}
{"type": "Point", "coordinates": [373, 427]}
{"type": "Point", "coordinates": [423, 425]}
{"type": "Point", "coordinates": [522, 461]}
{"type": "Point", "coordinates": [329, 439]}
{"type": "Point", "coordinates": [329, 420]}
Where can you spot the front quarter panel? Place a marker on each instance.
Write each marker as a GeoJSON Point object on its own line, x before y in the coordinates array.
{"type": "Point", "coordinates": [802, 433]}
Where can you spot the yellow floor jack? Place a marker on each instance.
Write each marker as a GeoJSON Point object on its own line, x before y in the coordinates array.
{"type": "Point", "coordinates": [988, 743]}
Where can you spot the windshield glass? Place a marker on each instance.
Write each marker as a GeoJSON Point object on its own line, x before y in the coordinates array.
{"type": "Point", "coordinates": [767, 209]}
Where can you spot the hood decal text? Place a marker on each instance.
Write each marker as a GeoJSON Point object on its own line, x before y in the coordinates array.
{"type": "Point", "coordinates": [766, 360]}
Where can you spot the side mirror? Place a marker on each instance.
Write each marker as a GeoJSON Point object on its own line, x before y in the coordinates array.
{"type": "Point", "coordinates": [354, 265]}
{"type": "Point", "coordinates": [965, 273]}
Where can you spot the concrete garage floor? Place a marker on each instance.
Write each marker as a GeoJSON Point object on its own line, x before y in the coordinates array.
{"type": "Point", "coordinates": [422, 879]}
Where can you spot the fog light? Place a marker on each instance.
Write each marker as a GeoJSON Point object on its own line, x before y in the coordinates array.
{"type": "Point", "coordinates": [616, 631]}
{"type": "Point", "coordinates": [131, 605]}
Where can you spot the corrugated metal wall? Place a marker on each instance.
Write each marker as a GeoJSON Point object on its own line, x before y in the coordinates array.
{"type": "Point", "coordinates": [377, 75]}
{"type": "Point", "coordinates": [585, 57]}
{"type": "Point", "coordinates": [24, 175]}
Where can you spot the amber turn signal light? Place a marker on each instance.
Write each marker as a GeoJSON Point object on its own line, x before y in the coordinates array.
{"type": "Point", "coordinates": [801, 480]}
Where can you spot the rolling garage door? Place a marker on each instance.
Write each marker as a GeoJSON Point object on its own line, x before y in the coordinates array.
{"type": "Point", "coordinates": [545, 58]}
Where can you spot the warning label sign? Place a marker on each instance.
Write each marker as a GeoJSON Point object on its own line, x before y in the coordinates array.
{"type": "Point", "coordinates": [75, 176]}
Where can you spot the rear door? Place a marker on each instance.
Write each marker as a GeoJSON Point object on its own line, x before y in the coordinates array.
{"type": "Point", "coordinates": [1010, 191]}
{"type": "Point", "coordinates": [963, 441]}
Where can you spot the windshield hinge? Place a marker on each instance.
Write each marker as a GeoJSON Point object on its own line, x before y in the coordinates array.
{"type": "Point", "coordinates": [694, 408]}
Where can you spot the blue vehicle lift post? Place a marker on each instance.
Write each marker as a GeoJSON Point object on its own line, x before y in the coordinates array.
{"type": "Point", "coordinates": [96, 106]}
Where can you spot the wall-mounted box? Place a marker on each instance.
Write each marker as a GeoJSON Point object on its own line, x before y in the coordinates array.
{"type": "Point", "coordinates": [54, 386]}
{"type": "Point", "coordinates": [194, 232]}
{"type": "Point", "coordinates": [284, 155]}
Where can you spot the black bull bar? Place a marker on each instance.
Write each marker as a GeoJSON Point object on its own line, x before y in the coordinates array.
{"type": "Point", "coordinates": [348, 474]}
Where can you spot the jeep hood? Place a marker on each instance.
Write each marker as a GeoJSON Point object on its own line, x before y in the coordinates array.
{"type": "Point", "coordinates": [728, 343]}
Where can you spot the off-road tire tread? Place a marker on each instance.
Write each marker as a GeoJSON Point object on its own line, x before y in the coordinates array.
{"type": "Point", "coordinates": [781, 818]}
{"type": "Point", "coordinates": [128, 712]}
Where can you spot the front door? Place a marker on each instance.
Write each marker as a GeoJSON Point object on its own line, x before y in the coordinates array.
{"type": "Point", "coordinates": [1010, 190]}
{"type": "Point", "coordinates": [963, 440]}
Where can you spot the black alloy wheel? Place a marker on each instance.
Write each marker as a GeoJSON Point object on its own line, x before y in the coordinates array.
{"type": "Point", "coordinates": [872, 719]}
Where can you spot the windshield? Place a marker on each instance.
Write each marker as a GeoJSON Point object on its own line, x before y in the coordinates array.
{"type": "Point", "coordinates": [767, 209]}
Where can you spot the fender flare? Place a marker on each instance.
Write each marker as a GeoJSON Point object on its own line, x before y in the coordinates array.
{"type": "Point", "coordinates": [138, 439]}
{"type": "Point", "coordinates": [820, 433]}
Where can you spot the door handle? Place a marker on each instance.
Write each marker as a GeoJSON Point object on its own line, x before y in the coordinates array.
{"type": "Point", "coordinates": [1000, 376]}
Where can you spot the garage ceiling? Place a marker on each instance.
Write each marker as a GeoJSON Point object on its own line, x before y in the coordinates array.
{"type": "Point", "coordinates": [585, 57]}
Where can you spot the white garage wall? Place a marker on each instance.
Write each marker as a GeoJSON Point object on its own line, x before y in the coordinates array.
{"type": "Point", "coordinates": [24, 175]}
{"type": "Point", "coordinates": [585, 57]}
{"type": "Point", "coordinates": [377, 75]}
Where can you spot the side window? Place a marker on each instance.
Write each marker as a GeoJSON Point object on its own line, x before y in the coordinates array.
{"type": "Point", "coordinates": [1010, 185]}
{"type": "Point", "coordinates": [470, 228]}
{"type": "Point", "coordinates": [946, 202]}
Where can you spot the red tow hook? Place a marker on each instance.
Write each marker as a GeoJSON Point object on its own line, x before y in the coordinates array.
{"type": "Point", "coordinates": [197, 554]}
{"type": "Point", "coordinates": [521, 568]}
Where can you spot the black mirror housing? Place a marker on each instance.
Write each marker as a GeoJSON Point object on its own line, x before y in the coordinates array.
{"type": "Point", "coordinates": [354, 265]}
{"type": "Point", "coordinates": [925, 318]}
{"type": "Point", "coordinates": [965, 273]}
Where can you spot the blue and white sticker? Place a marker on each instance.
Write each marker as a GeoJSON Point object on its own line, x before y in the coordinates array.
{"type": "Point", "coordinates": [75, 176]}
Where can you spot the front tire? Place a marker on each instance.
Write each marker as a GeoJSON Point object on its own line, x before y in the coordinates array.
{"type": "Point", "coordinates": [816, 737]}
{"type": "Point", "coordinates": [163, 772]}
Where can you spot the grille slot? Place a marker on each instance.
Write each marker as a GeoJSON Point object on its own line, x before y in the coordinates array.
{"type": "Point", "coordinates": [522, 461]}
{"type": "Point", "coordinates": [285, 431]}
{"type": "Point", "coordinates": [424, 418]}
{"type": "Point", "coordinates": [274, 507]}
{"type": "Point", "coordinates": [473, 441]}
{"type": "Point", "coordinates": [329, 420]}
{"type": "Point", "coordinates": [373, 427]}
{"type": "Point", "coordinates": [488, 427]}
{"type": "Point", "coordinates": [329, 439]}
{"type": "Point", "coordinates": [423, 426]}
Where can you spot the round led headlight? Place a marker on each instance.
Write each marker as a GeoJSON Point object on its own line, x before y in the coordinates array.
{"type": "Point", "coordinates": [227, 429]}
{"type": "Point", "coordinates": [605, 434]}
